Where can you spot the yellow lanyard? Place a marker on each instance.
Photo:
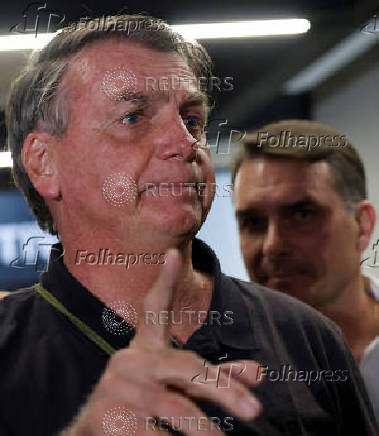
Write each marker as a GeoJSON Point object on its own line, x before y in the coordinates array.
{"type": "Point", "coordinates": [82, 326]}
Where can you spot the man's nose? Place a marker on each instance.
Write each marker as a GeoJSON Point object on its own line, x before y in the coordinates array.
{"type": "Point", "coordinates": [275, 241]}
{"type": "Point", "coordinates": [174, 141]}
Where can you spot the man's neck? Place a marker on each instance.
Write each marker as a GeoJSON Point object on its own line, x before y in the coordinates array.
{"type": "Point", "coordinates": [354, 313]}
{"type": "Point", "coordinates": [113, 282]}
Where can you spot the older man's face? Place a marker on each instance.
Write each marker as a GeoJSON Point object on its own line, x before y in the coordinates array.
{"type": "Point", "coordinates": [295, 232]}
{"type": "Point", "coordinates": [124, 129]}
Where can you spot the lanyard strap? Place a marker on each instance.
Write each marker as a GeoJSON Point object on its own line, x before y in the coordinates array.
{"type": "Point", "coordinates": [78, 323]}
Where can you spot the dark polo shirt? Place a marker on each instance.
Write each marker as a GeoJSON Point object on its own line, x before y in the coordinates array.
{"type": "Point", "coordinates": [48, 366]}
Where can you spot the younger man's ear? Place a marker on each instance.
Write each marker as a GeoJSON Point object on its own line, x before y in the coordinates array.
{"type": "Point", "coordinates": [37, 158]}
{"type": "Point", "coordinates": [365, 216]}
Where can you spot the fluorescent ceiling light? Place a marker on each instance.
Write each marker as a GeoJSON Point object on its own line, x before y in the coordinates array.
{"type": "Point", "coordinates": [332, 61]}
{"type": "Point", "coordinates": [243, 29]}
{"type": "Point", "coordinates": [25, 41]}
{"type": "Point", "coordinates": [6, 159]}
{"type": "Point", "coordinates": [235, 29]}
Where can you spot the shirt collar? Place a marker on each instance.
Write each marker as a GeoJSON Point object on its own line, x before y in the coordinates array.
{"type": "Point", "coordinates": [226, 298]}
{"type": "Point", "coordinates": [234, 329]}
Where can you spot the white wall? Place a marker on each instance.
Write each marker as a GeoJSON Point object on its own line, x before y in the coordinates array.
{"type": "Point", "coordinates": [354, 110]}
{"type": "Point", "coordinates": [220, 230]}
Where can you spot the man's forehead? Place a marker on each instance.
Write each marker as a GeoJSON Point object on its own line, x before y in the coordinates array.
{"type": "Point", "coordinates": [265, 170]}
{"type": "Point", "coordinates": [281, 181]}
{"type": "Point", "coordinates": [113, 69]}
{"type": "Point", "coordinates": [99, 58]}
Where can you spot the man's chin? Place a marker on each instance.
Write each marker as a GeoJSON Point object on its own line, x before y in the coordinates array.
{"type": "Point", "coordinates": [175, 221]}
{"type": "Point", "coordinates": [297, 286]}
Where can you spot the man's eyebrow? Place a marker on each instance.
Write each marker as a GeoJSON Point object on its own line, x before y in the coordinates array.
{"type": "Point", "coordinates": [135, 97]}
{"type": "Point", "coordinates": [197, 98]}
{"type": "Point", "coordinates": [304, 202]}
{"type": "Point", "coordinates": [138, 98]}
{"type": "Point", "coordinates": [249, 211]}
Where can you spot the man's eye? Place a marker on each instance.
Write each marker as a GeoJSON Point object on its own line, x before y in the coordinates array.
{"type": "Point", "coordinates": [252, 223]}
{"type": "Point", "coordinates": [192, 122]}
{"type": "Point", "coordinates": [131, 118]}
{"type": "Point", "coordinates": [304, 214]}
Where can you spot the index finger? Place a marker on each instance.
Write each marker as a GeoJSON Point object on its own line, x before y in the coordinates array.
{"type": "Point", "coordinates": [159, 299]}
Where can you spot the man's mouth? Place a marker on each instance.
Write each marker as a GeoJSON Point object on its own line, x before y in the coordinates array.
{"type": "Point", "coordinates": [288, 276]}
{"type": "Point", "coordinates": [283, 273]}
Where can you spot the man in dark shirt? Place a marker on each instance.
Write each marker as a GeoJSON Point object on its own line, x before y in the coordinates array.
{"type": "Point", "coordinates": [133, 328]}
{"type": "Point", "coordinates": [51, 365]}
{"type": "Point", "coordinates": [305, 219]}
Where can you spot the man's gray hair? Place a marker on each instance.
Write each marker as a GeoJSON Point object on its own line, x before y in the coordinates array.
{"type": "Point", "coordinates": [35, 103]}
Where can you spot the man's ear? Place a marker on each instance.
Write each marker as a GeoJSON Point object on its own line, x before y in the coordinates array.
{"type": "Point", "coordinates": [37, 158]}
{"type": "Point", "coordinates": [365, 216]}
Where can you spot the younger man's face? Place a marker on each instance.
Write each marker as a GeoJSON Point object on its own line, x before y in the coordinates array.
{"type": "Point", "coordinates": [296, 234]}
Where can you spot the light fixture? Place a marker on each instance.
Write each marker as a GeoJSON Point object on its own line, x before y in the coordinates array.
{"type": "Point", "coordinates": [234, 29]}
{"type": "Point", "coordinates": [25, 41]}
{"type": "Point", "coordinates": [330, 62]}
{"type": "Point", "coordinates": [244, 29]}
{"type": "Point", "coordinates": [6, 160]}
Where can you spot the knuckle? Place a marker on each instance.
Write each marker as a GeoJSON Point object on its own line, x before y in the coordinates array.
{"type": "Point", "coordinates": [173, 404]}
{"type": "Point", "coordinates": [127, 362]}
{"type": "Point", "coordinates": [191, 360]}
{"type": "Point", "coordinates": [106, 384]}
{"type": "Point", "coordinates": [117, 359]}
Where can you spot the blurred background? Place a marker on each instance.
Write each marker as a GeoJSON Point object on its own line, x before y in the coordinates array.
{"type": "Point", "coordinates": [328, 73]}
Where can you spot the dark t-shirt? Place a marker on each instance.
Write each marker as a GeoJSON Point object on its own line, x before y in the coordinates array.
{"type": "Point", "coordinates": [48, 366]}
